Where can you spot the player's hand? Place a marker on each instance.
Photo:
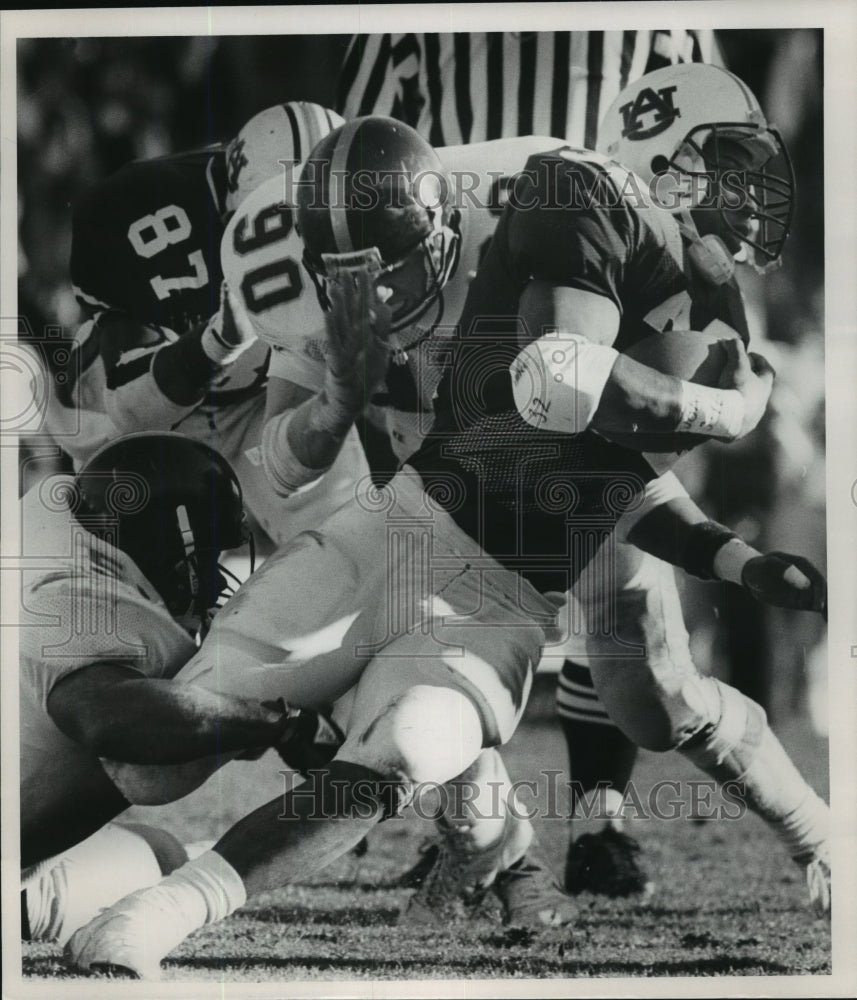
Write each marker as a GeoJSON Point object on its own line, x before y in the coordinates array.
{"type": "Point", "coordinates": [310, 739]}
{"type": "Point", "coordinates": [786, 581]}
{"type": "Point", "coordinates": [230, 331]}
{"type": "Point", "coordinates": [752, 376]}
{"type": "Point", "coordinates": [358, 333]}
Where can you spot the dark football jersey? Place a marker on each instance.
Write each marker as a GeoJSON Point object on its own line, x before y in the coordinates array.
{"type": "Point", "coordinates": [147, 240]}
{"type": "Point", "coordinates": [543, 502]}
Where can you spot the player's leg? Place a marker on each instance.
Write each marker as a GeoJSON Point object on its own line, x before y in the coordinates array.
{"type": "Point", "coordinates": [290, 632]}
{"type": "Point", "coordinates": [67, 891]}
{"type": "Point", "coordinates": [482, 846]}
{"type": "Point", "coordinates": [403, 731]}
{"type": "Point", "coordinates": [608, 623]}
{"type": "Point", "coordinates": [601, 758]}
{"type": "Point", "coordinates": [427, 703]}
{"type": "Point", "coordinates": [662, 703]}
{"type": "Point", "coordinates": [602, 857]}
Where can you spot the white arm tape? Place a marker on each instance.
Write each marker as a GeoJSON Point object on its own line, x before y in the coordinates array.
{"type": "Point", "coordinates": [731, 558]}
{"type": "Point", "coordinates": [658, 491]}
{"type": "Point", "coordinates": [715, 412]}
{"type": "Point", "coordinates": [557, 381]}
{"type": "Point", "coordinates": [284, 471]}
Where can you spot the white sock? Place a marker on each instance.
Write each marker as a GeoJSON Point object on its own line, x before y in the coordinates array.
{"type": "Point", "coordinates": [201, 892]}
{"type": "Point", "coordinates": [806, 829]}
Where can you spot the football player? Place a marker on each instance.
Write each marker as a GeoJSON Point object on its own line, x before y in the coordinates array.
{"type": "Point", "coordinates": [647, 612]}
{"type": "Point", "coordinates": [127, 574]}
{"type": "Point", "coordinates": [587, 249]}
{"type": "Point", "coordinates": [394, 594]}
{"type": "Point", "coordinates": [166, 346]}
{"type": "Point", "coordinates": [153, 220]}
{"type": "Point", "coordinates": [303, 392]}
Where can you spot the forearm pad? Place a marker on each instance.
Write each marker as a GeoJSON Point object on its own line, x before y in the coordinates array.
{"type": "Point", "coordinates": [704, 541]}
{"type": "Point", "coordinates": [558, 381]}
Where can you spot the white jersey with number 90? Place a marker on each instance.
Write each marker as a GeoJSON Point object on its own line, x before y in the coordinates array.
{"type": "Point", "coordinates": [261, 253]}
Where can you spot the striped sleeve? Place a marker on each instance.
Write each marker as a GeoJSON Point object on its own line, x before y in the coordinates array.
{"type": "Point", "coordinates": [472, 87]}
{"type": "Point", "coordinates": [380, 77]}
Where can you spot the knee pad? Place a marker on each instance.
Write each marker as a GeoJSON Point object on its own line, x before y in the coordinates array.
{"type": "Point", "coordinates": [731, 727]}
{"type": "Point", "coordinates": [425, 734]}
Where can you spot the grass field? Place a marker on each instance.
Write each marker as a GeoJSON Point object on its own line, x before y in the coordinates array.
{"type": "Point", "coordinates": [728, 900]}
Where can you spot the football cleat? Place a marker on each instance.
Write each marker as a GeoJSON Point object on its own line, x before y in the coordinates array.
{"type": "Point", "coordinates": [450, 890]}
{"type": "Point", "coordinates": [605, 863]}
{"type": "Point", "coordinates": [818, 883]}
{"type": "Point", "coordinates": [531, 897]}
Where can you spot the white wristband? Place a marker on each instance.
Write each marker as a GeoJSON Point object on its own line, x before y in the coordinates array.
{"type": "Point", "coordinates": [284, 471]}
{"type": "Point", "coordinates": [731, 558]}
{"type": "Point", "coordinates": [216, 348]}
{"type": "Point", "coordinates": [713, 412]}
{"type": "Point", "coordinates": [558, 380]}
{"type": "Point", "coordinates": [225, 347]}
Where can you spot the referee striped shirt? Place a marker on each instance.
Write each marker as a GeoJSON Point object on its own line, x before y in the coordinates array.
{"type": "Point", "coordinates": [472, 87]}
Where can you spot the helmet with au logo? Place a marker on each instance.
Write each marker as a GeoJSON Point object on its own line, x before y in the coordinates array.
{"type": "Point", "coordinates": [286, 132]}
{"type": "Point", "coordinates": [674, 128]}
{"type": "Point", "coordinates": [173, 505]}
{"type": "Point", "coordinates": [371, 194]}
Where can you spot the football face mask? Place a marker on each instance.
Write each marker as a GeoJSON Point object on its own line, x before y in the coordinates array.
{"type": "Point", "coordinates": [408, 286]}
{"type": "Point", "coordinates": [750, 182]}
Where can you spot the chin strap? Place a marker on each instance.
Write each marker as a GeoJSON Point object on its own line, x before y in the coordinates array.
{"type": "Point", "coordinates": [709, 254]}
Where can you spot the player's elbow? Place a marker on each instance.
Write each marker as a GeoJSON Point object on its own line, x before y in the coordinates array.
{"type": "Point", "coordinates": [90, 730]}
{"type": "Point", "coordinates": [96, 727]}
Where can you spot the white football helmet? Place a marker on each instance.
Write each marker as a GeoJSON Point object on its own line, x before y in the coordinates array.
{"type": "Point", "coordinates": [672, 128]}
{"type": "Point", "coordinates": [285, 132]}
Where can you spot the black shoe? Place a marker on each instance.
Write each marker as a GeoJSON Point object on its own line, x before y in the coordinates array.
{"type": "Point", "coordinates": [605, 863]}
{"type": "Point", "coordinates": [531, 898]}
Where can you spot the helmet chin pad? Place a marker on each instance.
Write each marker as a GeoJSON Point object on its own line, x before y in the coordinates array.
{"type": "Point", "coordinates": [711, 257]}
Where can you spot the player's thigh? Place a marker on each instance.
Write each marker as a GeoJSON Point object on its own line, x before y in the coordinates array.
{"type": "Point", "coordinates": [299, 628]}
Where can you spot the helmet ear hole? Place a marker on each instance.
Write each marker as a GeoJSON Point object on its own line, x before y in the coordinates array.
{"type": "Point", "coordinates": [660, 164]}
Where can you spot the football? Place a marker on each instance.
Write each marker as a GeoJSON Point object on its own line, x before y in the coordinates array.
{"type": "Point", "coordinates": [694, 355]}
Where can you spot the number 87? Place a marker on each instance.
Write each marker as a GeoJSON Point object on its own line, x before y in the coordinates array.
{"type": "Point", "coordinates": [152, 234]}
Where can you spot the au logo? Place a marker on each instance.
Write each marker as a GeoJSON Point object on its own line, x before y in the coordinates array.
{"type": "Point", "coordinates": [658, 103]}
{"type": "Point", "coordinates": [235, 162]}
